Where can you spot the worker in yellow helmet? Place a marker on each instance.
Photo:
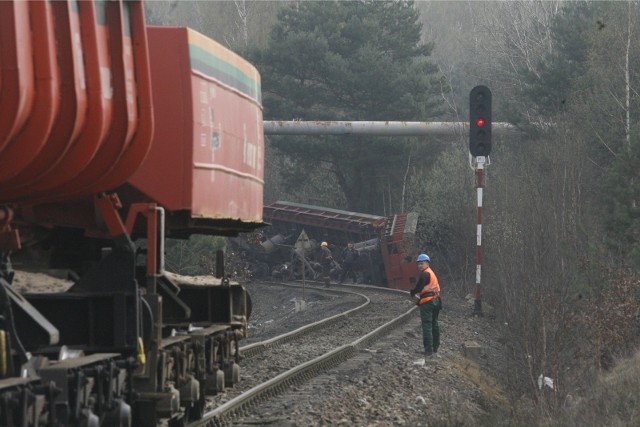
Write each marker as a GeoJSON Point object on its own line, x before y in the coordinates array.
{"type": "Point", "coordinates": [326, 259]}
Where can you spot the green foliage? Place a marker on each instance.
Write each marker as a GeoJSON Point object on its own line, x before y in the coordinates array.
{"type": "Point", "coordinates": [348, 61]}
{"type": "Point", "coordinates": [363, 60]}
{"type": "Point", "coordinates": [193, 256]}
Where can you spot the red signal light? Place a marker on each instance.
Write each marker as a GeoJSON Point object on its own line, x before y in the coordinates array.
{"type": "Point", "coordinates": [480, 121]}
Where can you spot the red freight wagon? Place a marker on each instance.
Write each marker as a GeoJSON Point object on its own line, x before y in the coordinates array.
{"type": "Point", "coordinates": [75, 98]}
{"type": "Point", "coordinates": [207, 156]}
{"type": "Point", "coordinates": [76, 123]}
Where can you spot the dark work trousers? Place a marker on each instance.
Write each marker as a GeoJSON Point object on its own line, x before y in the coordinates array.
{"type": "Point", "coordinates": [430, 329]}
{"type": "Point", "coordinates": [349, 271]}
{"type": "Point", "coordinates": [326, 274]}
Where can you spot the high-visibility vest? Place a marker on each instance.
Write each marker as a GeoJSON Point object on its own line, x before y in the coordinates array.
{"type": "Point", "coordinates": [431, 290]}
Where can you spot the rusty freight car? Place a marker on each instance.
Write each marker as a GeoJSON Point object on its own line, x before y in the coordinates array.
{"type": "Point", "coordinates": [384, 243]}
{"type": "Point", "coordinates": [109, 143]}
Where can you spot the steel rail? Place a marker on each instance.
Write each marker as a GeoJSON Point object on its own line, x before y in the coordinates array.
{"type": "Point", "coordinates": [225, 413]}
{"type": "Point", "coordinates": [255, 348]}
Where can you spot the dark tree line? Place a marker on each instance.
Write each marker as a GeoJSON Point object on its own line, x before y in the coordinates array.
{"type": "Point", "coordinates": [348, 61]}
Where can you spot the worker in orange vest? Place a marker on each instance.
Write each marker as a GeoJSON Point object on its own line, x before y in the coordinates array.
{"type": "Point", "coordinates": [427, 292]}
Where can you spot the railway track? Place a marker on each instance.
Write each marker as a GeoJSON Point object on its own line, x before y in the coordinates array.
{"type": "Point", "coordinates": [274, 365]}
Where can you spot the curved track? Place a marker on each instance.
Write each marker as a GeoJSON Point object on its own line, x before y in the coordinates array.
{"type": "Point", "coordinates": [273, 365]}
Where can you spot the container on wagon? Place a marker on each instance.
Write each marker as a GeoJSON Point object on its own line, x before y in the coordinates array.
{"type": "Point", "coordinates": [206, 163]}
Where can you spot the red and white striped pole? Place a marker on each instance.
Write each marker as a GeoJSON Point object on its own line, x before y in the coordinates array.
{"type": "Point", "coordinates": [480, 162]}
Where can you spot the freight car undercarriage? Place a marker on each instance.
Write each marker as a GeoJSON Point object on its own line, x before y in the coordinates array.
{"type": "Point", "coordinates": [90, 105]}
{"type": "Point", "coordinates": [125, 345]}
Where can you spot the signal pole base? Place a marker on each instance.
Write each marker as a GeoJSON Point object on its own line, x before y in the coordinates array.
{"type": "Point", "coordinates": [477, 308]}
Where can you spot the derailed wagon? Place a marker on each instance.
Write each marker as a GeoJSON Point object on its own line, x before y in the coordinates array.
{"type": "Point", "coordinates": [385, 244]}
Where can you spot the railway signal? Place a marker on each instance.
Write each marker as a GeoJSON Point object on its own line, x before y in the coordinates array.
{"type": "Point", "coordinates": [479, 147]}
{"type": "Point", "coordinates": [480, 121]}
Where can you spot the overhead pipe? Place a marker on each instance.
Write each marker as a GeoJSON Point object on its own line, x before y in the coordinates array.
{"type": "Point", "coordinates": [387, 128]}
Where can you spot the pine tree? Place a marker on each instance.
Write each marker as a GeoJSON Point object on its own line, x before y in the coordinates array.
{"type": "Point", "coordinates": [349, 61]}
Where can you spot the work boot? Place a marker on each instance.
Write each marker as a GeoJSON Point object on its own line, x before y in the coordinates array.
{"type": "Point", "coordinates": [427, 356]}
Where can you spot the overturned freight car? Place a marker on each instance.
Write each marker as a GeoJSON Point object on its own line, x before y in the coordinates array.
{"type": "Point", "coordinates": [385, 244]}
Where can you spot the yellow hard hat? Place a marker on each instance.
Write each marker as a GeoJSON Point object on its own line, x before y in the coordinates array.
{"type": "Point", "coordinates": [323, 244]}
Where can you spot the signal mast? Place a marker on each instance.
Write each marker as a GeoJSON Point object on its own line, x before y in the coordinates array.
{"type": "Point", "coordinates": [479, 147]}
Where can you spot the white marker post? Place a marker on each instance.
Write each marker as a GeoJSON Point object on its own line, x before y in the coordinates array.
{"type": "Point", "coordinates": [302, 244]}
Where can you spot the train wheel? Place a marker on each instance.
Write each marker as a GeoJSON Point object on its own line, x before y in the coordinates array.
{"type": "Point", "coordinates": [197, 410]}
{"type": "Point", "coordinates": [236, 373]}
{"type": "Point", "coordinates": [119, 416]}
{"type": "Point", "coordinates": [177, 422]}
{"type": "Point", "coordinates": [220, 381]}
{"type": "Point", "coordinates": [89, 419]}
{"type": "Point", "coordinates": [232, 374]}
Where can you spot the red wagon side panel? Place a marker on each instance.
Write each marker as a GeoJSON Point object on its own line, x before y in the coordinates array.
{"type": "Point", "coordinates": [16, 68]}
{"type": "Point", "coordinates": [98, 175]}
{"type": "Point", "coordinates": [98, 71]}
{"type": "Point", "coordinates": [92, 60]}
{"type": "Point", "coordinates": [165, 175]}
{"type": "Point", "coordinates": [21, 149]}
{"type": "Point", "coordinates": [73, 96]}
{"type": "Point", "coordinates": [398, 252]}
{"type": "Point", "coordinates": [208, 146]}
